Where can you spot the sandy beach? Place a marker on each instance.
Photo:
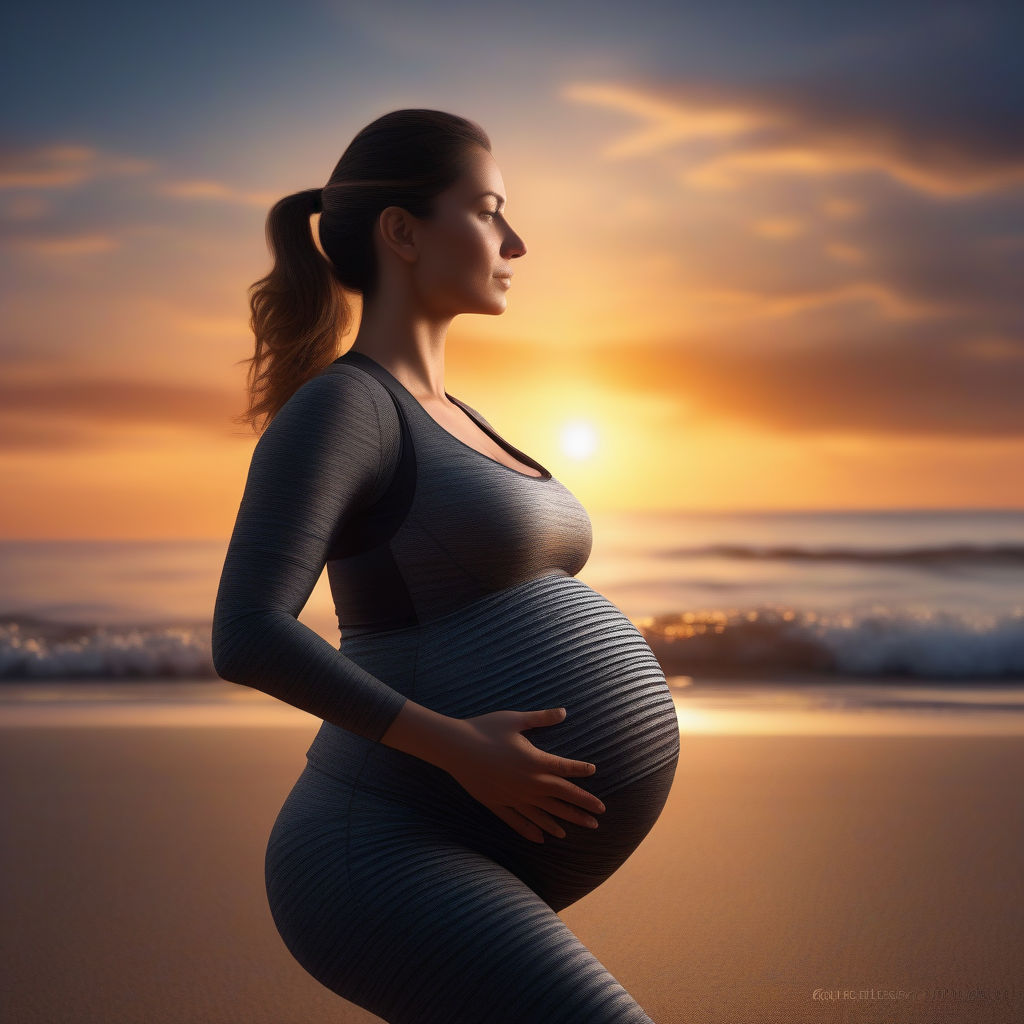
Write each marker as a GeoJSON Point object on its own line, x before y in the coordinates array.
{"type": "Point", "coordinates": [791, 878]}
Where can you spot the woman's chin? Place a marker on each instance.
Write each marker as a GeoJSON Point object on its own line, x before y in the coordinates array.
{"type": "Point", "coordinates": [493, 306]}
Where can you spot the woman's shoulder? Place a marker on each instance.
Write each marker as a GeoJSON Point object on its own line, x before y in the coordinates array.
{"type": "Point", "coordinates": [338, 427]}
{"type": "Point", "coordinates": [347, 394]}
{"type": "Point", "coordinates": [339, 404]}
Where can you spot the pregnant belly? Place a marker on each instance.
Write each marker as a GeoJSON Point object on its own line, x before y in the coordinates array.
{"type": "Point", "coordinates": [549, 642]}
{"type": "Point", "coordinates": [555, 642]}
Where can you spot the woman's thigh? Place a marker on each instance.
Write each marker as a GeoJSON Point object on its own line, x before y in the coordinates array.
{"type": "Point", "coordinates": [396, 915]}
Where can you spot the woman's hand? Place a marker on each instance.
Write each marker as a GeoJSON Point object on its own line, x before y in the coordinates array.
{"type": "Point", "coordinates": [522, 784]}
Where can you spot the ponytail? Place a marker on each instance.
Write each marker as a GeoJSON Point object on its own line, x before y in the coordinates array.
{"type": "Point", "coordinates": [298, 310]}
{"type": "Point", "coordinates": [404, 158]}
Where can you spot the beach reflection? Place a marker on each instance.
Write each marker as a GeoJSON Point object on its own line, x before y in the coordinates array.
{"type": "Point", "coordinates": [713, 707]}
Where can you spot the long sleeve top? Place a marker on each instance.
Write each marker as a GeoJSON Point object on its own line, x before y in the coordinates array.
{"type": "Point", "coordinates": [325, 456]}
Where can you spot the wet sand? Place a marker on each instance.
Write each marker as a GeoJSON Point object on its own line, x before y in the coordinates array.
{"type": "Point", "coordinates": [883, 870]}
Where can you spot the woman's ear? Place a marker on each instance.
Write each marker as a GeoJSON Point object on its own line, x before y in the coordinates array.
{"type": "Point", "coordinates": [398, 231]}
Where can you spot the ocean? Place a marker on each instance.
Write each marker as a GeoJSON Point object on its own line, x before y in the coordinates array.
{"type": "Point", "coordinates": [911, 594]}
{"type": "Point", "coordinates": [777, 621]}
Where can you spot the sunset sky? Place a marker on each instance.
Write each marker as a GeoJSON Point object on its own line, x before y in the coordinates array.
{"type": "Point", "coordinates": [775, 257]}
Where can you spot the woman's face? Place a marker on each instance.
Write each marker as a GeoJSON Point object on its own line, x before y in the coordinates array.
{"type": "Point", "coordinates": [463, 249]}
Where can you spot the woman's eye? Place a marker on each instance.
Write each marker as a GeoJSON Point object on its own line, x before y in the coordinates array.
{"type": "Point", "coordinates": [489, 213]}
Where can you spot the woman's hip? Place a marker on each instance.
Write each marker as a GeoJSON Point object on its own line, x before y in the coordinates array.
{"type": "Point", "coordinates": [353, 839]}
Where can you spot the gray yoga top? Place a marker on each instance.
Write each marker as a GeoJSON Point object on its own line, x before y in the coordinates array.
{"type": "Point", "coordinates": [454, 581]}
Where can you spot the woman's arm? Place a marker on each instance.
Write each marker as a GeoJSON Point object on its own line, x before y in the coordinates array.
{"type": "Point", "coordinates": [324, 456]}
{"type": "Point", "coordinates": [328, 453]}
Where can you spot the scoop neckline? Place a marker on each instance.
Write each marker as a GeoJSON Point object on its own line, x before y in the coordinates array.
{"type": "Point", "coordinates": [507, 446]}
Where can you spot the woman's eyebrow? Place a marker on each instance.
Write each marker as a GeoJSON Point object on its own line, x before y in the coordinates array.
{"type": "Point", "coordinates": [501, 199]}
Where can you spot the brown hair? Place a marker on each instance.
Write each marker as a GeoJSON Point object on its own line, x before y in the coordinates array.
{"type": "Point", "coordinates": [299, 311]}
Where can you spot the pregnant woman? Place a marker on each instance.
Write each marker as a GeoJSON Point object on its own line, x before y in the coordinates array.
{"type": "Point", "coordinates": [497, 737]}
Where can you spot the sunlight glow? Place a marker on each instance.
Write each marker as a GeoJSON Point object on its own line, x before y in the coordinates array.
{"type": "Point", "coordinates": [579, 439]}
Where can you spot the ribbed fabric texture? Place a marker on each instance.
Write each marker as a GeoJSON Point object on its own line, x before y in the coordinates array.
{"type": "Point", "coordinates": [438, 913]}
{"type": "Point", "coordinates": [316, 466]}
{"type": "Point", "coordinates": [454, 579]}
{"type": "Point", "coordinates": [549, 642]}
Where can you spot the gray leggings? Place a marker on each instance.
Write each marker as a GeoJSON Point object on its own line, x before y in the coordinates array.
{"type": "Point", "coordinates": [438, 912]}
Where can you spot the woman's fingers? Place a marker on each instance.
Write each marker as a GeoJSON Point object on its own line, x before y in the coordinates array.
{"type": "Point", "coordinates": [519, 823]}
{"type": "Point", "coordinates": [566, 766]}
{"type": "Point", "coordinates": [575, 796]}
{"type": "Point", "coordinates": [558, 765]}
{"type": "Point", "coordinates": [525, 786]}
{"type": "Point", "coordinates": [544, 820]}
{"type": "Point", "coordinates": [532, 821]}
{"type": "Point", "coordinates": [537, 719]}
{"type": "Point", "coordinates": [570, 812]}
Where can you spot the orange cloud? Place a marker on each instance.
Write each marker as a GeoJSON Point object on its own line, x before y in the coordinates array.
{"type": "Point", "coordinates": [72, 412]}
{"type": "Point", "coordinates": [63, 166]}
{"type": "Point", "coordinates": [205, 190]}
{"type": "Point", "coordinates": [68, 245]}
{"type": "Point", "coordinates": [775, 134]}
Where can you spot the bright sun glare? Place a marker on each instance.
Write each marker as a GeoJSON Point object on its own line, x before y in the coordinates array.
{"type": "Point", "coordinates": [579, 439]}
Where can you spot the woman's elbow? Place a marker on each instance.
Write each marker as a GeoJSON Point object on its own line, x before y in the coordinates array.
{"type": "Point", "coordinates": [228, 643]}
{"type": "Point", "coordinates": [223, 667]}
{"type": "Point", "coordinates": [224, 664]}
{"type": "Point", "coordinates": [240, 643]}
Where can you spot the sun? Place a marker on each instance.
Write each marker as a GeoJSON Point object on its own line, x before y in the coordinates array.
{"type": "Point", "coordinates": [579, 439]}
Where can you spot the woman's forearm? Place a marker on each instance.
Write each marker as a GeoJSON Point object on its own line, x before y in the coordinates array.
{"type": "Point", "coordinates": [423, 733]}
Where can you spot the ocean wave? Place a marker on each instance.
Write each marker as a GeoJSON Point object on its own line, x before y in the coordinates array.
{"type": "Point", "coordinates": [749, 643]}
{"type": "Point", "coordinates": [922, 557]}
{"type": "Point", "coordinates": [34, 648]}
{"type": "Point", "coordinates": [879, 641]}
